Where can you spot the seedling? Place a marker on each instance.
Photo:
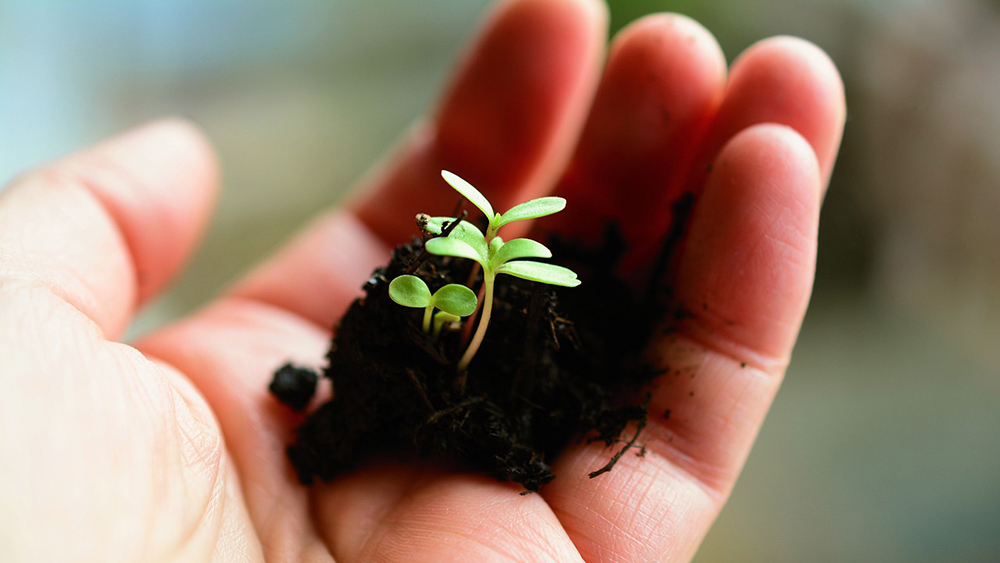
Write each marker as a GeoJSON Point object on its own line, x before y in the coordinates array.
{"type": "Point", "coordinates": [454, 300]}
{"type": "Point", "coordinates": [441, 319]}
{"type": "Point", "coordinates": [532, 209]}
{"type": "Point", "coordinates": [493, 254]}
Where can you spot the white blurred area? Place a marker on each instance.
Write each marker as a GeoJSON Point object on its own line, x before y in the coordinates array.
{"type": "Point", "coordinates": [884, 444]}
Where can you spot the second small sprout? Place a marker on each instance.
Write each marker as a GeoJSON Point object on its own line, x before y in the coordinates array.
{"type": "Point", "coordinates": [455, 301]}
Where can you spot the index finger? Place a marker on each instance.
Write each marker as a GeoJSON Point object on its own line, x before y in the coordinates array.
{"type": "Point", "coordinates": [105, 228]}
{"type": "Point", "coordinates": [506, 124]}
{"type": "Point", "coordinates": [507, 121]}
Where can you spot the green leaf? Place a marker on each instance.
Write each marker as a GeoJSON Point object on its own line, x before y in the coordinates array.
{"type": "Point", "coordinates": [448, 246]}
{"type": "Point", "coordinates": [465, 232]}
{"type": "Point", "coordinates": [410, 291]}
{"type": "Point", "coordinates": [455, 299]}
{"type": "Point", "coordinates": [532, 210]}
{"type": "Point", "coordinates": [540, 272]}
{"type": "Point", "coordinates": [470, 193]}
{"type": "Point", "coordinates": [521, 248]}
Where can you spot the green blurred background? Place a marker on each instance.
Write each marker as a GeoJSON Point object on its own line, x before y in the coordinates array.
{"type": "Point", "coordinates": [884, 443]}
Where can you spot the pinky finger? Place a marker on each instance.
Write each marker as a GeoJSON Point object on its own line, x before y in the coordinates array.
{"type": "Point", "coordinates": [747, 266]}
{"type": "Point", "coordinates": [745, 273]}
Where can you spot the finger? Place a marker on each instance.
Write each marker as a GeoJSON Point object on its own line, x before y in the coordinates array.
{"type": "Point", "coordinates": [506, 123]}
{"type": "Point", "coordinates": [320, 271]}
{"type": "Point", "coordinates": [229, 351]}
{"type": "Point", "coordinates": [781, 80]}
{"type": "Point", "coordinates": [663, 83]}
{"type": "Point", "coordinates": [95, 440]}
{"type": "Point", "coordinates": [522, 90]}
{"type": "Point", "coordinates": [391, 512]}
{"type": "Point", "coordinates": [748, 267]}
{"type": "Point", "coordinates": [746, 271]}
{"type": "Point", "coordinates": [784, 80]}
{"type": "Point", "coordinates": [107, 227]}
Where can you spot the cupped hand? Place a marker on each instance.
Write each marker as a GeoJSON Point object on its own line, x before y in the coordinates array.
{"type": "Point", "coordinates": [171, 449]}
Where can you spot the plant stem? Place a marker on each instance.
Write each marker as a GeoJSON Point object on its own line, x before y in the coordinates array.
{"type": "Point", "coordinates": [427, 318]}
{"type": "Point", "coordinates": [484, 321]}
{"type": "Point", "coordinates": [471, 321]}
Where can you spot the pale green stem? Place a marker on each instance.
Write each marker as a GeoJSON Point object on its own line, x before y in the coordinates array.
{"type": "Point", "coordinates": [484, 321]}
{"type": "Point", "coordinates": [427, 318]}
{"type": "Point", "coordinates": [471, 321]}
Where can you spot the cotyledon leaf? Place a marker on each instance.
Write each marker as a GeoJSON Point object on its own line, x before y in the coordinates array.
{"type": "Point", "coordinates": [456, 299]}
{"type": "Point", "coordinates": [410, 291]}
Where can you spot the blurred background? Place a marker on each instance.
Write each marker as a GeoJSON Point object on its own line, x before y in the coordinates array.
{"type": "Point", "coordinates": [883, 444]}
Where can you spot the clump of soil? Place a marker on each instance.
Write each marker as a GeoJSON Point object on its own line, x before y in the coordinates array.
{"type": "Point", "coordinates": [553, 368]}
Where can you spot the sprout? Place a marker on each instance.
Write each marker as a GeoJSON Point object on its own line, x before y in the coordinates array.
{"type": "Point", "coordinates": [493, 254]}
{"type": "Point", "coordinates": [442, 318]}
{"type": "Point", "coordinates": [528, 210]}
{"type": "Point", "coordinates": [455, 301]}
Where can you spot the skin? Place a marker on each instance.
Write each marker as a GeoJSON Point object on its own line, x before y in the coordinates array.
{"type": "Point", "coordinates": [170, 448]}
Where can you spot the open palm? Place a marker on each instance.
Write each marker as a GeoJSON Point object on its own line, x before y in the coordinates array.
{"type": "Point", "coordinates": [172, 449]}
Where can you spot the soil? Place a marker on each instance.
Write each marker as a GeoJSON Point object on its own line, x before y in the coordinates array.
{"type": "Point", "coordinates": [558, 365]}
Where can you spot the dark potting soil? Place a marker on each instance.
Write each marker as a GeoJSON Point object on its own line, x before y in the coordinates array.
{"type": "Point", "coordinates": [557, 365]}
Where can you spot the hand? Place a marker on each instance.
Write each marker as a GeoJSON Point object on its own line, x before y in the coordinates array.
{"type": "Point", "coordinates": [172, 449]}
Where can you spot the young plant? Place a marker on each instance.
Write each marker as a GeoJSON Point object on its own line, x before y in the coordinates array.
{"type": "Point", "coordinates": [455, 301]}
{"type": "Point", "coordinates": [532, 209]}
{"type": "Point", "coordinates": [493, 254]}
{"type": "Point", "coordinates": [442, 318]}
